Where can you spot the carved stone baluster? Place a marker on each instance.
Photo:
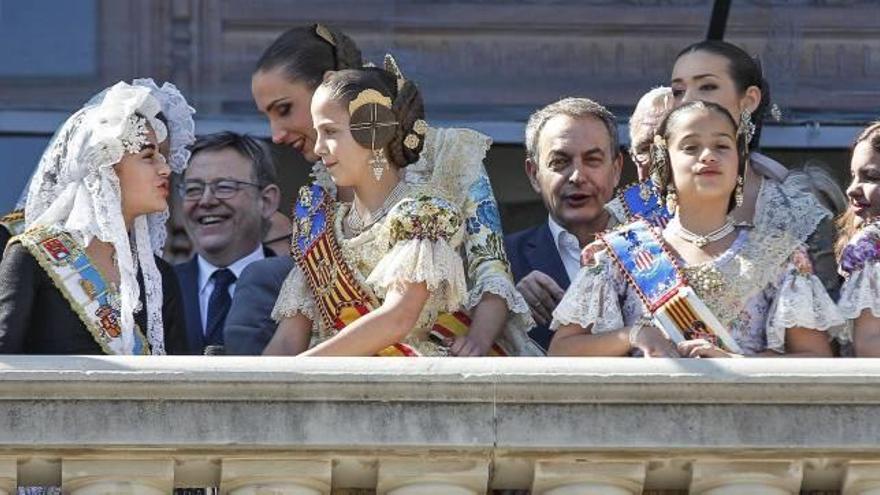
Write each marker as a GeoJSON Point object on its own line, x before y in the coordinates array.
{"type": "Point", "coordinates": [862, 478]}
{"type": "Point", "coordinates": [599, 478]}
{"type": "Point", "coordinates": [8, 476]}
{"type": "Point", "coordinates": [746, 477]}
{"type": "Point", "coordinates": [431, 476]}
{"type": "Point", "coordinates": [115, 477]}
{"type": "Point", "coordinates": [276, 477]}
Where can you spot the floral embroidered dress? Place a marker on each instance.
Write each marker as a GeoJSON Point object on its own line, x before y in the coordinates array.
{"type": "Point", "coordinates": [784, 202]}
{"type": "Point", "coordinates": [417, 241]}
{"type": "Point", "coordinates": [452, 163]}
{"type": "Point", "coordinates": [762, 285]}
{"type": "Point", "coordinates": [860, 265]}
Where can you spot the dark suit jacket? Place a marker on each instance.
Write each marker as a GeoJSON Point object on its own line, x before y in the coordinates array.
{"type": "Point", "coordinates": [534, 249]}
{"type": "Point", "coordinates": [188, 275]}
{"type": "Point", "coordinates": [249, 325]}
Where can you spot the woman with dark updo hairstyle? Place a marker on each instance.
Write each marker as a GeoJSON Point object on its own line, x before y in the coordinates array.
{"type": "Point", "coordinates": [286, 78]}
{"type": "Point", "coordinates": [382, 275]}
{"type": "Point", "coordinates": [725, 74]}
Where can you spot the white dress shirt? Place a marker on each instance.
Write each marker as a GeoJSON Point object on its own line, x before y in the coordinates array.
{"type": "Point", "coordinates": [568, 247]}
{"type": "Point", "coordinates": [206, 283]}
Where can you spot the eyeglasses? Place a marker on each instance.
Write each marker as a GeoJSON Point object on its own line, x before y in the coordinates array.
{"type": "Point", "coordinates": [193, 190]}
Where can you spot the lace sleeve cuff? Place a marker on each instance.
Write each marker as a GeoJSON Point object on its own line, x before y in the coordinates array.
{"type": "Point", "coordinates": [801, 301]}
{"type": "Point", "coordinates": [433, 262]}
{"type": "Point", "coordinates": [859, 292]}
{"type": "Point", "coordinates": [591, 300]}
{"type": "Point", "coordinates": [295, 297]}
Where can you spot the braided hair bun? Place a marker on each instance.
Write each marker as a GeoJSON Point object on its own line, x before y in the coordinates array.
{"type": "Point", "coordinates": [384, 117]}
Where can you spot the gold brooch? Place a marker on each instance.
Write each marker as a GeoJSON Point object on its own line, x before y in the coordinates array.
{"type": "Point", "coordinates": [420, 127]}
{"type": "Point", "coordinates": [411, 141]}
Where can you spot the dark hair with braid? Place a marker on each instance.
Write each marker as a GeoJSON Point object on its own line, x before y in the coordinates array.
{"type": "Point", "coordinates": [407, 107]}
{"type": "Point", "coordinates": [745, 71]}
{"type": "Point", "coordinates": [661, 163]}
{"type": "Point", "coordinates": [305, 53]}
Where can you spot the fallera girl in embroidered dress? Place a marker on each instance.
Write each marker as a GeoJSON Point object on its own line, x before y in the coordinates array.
{"type": "Point", "coordinates": [717, 290]}
{"type": "Point", "coordinates": [725, 74]}
{"type": "Point", "coordinates": [381, 275]}
{"type": "Point", "coordinates": [83, 278]}
{"type": "Point", "coordinates": [286, 78]}
{"type": "Point", "coordinates": [859, 247]}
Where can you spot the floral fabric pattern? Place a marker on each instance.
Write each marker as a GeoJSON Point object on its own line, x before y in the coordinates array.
{"type": "Point", "coordinates": [864, 247]}
{"type": "Point", "coordinates": [860, 264]}
{"type": "Point", "coordinates": [424, 218]}
{"type": "Point", "coordinates": [762, 285]}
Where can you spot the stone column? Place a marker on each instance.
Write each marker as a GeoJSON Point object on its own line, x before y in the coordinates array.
{"type": "Point", "coordinates": [427, 477]}
{"type": "Point", "coordinates": [117, 477]}
{"type": "Point", "coordinates": [276, 477]}
{"type": "Point", "coordinates": [595, 478]}
{"type": "Point", "coordinates": [862, 478]}
{"type": "Point", "coordinates": [746, 477]}
{"type": "Point", "coordinates": [8, 476]}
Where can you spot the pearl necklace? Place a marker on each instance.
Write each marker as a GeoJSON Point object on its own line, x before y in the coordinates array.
{"type": "Point", "coordinates": [701, 240]}
{"type": "Point", "coordinates": [357, 223]}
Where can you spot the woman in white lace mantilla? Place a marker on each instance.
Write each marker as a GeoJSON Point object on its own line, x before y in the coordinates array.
{"type": "Point", "coordinates": [758, 283]}
{"type": "Point", "coordinates": [88, 254]}
{"type": "Point", "coordinates": [376, 276]}
{"type": "Point", "coordinates": [176, 114]}
{"type": "Point", "coordinates": [451, 160]}
{"type": "Point", "coordinates": [859, 247]}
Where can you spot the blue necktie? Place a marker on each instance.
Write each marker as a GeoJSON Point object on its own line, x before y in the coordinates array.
{"type": "Point", "coordinates": [218, 306]}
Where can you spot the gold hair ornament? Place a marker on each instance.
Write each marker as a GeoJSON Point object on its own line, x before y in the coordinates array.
{"type": "Point", "coordinates": [368, 96]}
{"type": "Point", "coordinates": [373, 124]}
{"type": "Point", "coordinates": [392, 67]}
{"type": "Point", "coordinates": [325, 34]}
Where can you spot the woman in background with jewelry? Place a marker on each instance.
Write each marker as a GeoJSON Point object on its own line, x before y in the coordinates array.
{"type": "Point", "coordinates": [757, 285]}
{"type": "Point", "coordinates": [83, 277]}
{"type": "Point", "coordinates": [287, 75]}
{"type": "Point", "coordinates": [723, 73]}
{"type": "Point", "coordinates": [377, 275]}
{"type": "Point", "coordinates": [859, 247]}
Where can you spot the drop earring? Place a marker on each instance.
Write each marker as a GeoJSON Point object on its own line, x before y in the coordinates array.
{"type": "Point", "coordinates": [378, 163]}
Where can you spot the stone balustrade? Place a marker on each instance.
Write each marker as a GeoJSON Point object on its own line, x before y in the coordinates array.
{"type": "Point", "coordinates": [250, 425]}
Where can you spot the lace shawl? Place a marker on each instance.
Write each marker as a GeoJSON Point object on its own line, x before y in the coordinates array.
{"type": "Point", "coordinates": [784, 206]}
{"type": "Point", "coordinates": [76, 189]}
{"type": "Point", "coordinates": [758, 288]}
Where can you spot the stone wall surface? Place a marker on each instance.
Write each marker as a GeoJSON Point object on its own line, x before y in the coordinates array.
{"type": "Point", "coordinates": [483, 59]}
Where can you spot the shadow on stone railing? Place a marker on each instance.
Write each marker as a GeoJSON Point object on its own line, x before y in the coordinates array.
{"type": "Point", "coordinates": [100, 425]}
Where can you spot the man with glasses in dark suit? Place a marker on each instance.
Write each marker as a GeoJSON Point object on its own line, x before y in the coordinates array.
{"type": "Point", "coordinates": [229, 195]}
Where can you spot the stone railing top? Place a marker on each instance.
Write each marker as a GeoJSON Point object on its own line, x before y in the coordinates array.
{"type": "Point", "coordinates": [520, 380]}
{"type": "Point", "coordinates": [400, 406]}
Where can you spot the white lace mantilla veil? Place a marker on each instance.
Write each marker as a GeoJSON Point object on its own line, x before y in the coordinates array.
{"type": "Point", "coordinates": [181, 133]}
{"type": "Point", "coordinates": [75, 188]}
